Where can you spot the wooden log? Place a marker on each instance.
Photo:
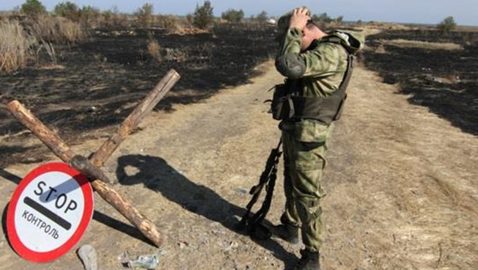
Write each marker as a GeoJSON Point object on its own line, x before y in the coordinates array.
{"type": "Point", "coordinates": [64, 152]}
{"type": "Point", "coordinates": [83, 165]}
{"type": "Point", "coordinates": [48, 137]}
{"type": "Point", "coordinates": [135, 117]}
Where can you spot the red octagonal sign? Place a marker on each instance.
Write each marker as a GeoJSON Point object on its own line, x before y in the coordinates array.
{"type": "Point", "coordinates": [49, 212]}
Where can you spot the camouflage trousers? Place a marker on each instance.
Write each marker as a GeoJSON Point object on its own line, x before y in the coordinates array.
{"type": "Point", "coordinates": [304, 146]}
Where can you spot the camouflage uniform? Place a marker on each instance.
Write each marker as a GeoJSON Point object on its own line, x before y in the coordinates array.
{"type": "Point", "coordinates": [321, 69]}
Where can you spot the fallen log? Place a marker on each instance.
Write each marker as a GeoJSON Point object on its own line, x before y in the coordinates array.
{"type": "Point", "coordinates": [106, 191]}
{"type": "Point", "coordinates": [135, 117]}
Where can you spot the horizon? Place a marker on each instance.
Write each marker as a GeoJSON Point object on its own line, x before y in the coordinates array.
{"type": "Point", "coordinates": [405, 12]}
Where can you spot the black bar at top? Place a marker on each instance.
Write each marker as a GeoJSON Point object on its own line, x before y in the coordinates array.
{"type": "Point", "coordinates": [47, 213]}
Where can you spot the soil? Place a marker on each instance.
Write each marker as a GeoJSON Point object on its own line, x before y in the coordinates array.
{"type": "Point", "coordinates": [437, 70]}
{"type": "Point", "coordinates": [401, 183]}
{"type": "Point", "coordinates": [96, 84]}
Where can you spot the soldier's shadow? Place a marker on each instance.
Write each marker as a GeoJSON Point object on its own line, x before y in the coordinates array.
{"type": "Point", "coordinates": [156, 174]}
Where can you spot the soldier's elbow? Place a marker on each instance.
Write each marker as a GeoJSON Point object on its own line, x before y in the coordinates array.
{"type": "Point", "coordinates": [290, 66]}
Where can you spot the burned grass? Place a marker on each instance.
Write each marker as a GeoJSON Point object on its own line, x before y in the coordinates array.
{"type": "Point", "coordinates": [442, 78]}
{"type": "Point", "coordinates": [101, 80]}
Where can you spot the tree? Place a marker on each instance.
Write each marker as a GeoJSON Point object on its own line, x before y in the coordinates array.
{"type": "Point", "coordinates": [88, 14]}
{"type": "Point", "coordinates": [203, 15]}
{"type": "Point", "coordinates": [232, 15]}
{"type": "Point", "coordinates": [68, 10]}
{"type": "Point", "coordinates": [262, 17]}
{"type": "Point", "coordinates": [113, 19]}
{"type": "Point", "coordinates": [323, 18]}
{"type": "Point", "coordinates": [33, 8]}
{"type": "Point", "coordinates": [448, 24]}
{"type": "Point", "coordinates": [339, 19]}
{"type": "Point", "coordinates": [145, 14]}
{"type": "Point", "coordinates": [190, 19]}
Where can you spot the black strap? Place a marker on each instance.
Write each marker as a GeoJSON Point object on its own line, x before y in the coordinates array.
{"type": "Point", "coordinates": [348, 72]}
{"type": "Point", "coordinates": [345, 84]}
{"type": "Point", "coordinates": [267, 180]}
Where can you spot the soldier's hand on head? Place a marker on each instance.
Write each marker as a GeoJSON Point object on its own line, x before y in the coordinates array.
{"type": "Point", "coordinates": [299, 18]}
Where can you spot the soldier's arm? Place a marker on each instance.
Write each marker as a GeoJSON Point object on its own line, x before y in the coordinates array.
{"type": "Point", "coordinates": [294, 64]}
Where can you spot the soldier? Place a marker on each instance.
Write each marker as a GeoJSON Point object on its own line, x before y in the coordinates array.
{"type": "Point", "coordinates": [317, 67]}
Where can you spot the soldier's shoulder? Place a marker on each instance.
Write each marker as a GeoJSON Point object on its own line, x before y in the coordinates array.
{"type": "Point", "coordinates": [330, 49]}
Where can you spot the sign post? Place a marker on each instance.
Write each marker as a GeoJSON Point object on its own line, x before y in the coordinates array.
{"type": "Point", "coordinates": [91, 167]}
{"type": "Point", "coordinates": [49, 212]}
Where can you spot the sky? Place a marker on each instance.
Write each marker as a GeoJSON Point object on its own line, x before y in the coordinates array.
{"type": "Point", "coordinates": [465, 12]}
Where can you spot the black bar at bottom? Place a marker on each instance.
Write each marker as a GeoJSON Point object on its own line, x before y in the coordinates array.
{"type": "Point", "coordinates": [46, 212]}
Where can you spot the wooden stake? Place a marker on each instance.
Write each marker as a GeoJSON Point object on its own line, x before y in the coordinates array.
{"type": "Point", "coordinates": [64, 152]}
{"type": "Point", "coordinates": [48, 137]}
{"type": "Point", "coordinates": [83, 165]}
{"type": "Point", "coordinates": [132, 121]}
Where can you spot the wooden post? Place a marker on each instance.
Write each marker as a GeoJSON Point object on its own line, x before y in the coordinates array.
{"type": "Point", "coordinates": [63, 151]}
{"type": "Point", "coordinates": [132, 121]}
{"type": "Point", "coordinates": [48, 137]}
{"type": "Point", "coordinates": [83, 165]}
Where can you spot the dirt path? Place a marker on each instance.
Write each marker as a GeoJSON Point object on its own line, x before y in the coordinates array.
{"type": "Point", "coordinates": [401, 184]}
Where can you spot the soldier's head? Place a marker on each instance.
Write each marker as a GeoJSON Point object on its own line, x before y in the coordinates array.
{"type": "Point", "coordinates": [311, 32]}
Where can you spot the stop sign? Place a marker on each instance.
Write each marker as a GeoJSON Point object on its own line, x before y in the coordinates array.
{"type": "Point", "coordinates": [49, 212]}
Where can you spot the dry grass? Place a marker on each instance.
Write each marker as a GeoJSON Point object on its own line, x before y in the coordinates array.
{"type": "Point", "coordinates": [18, 41]}
{"type": "Point", "coordinates": [154, 50]}
{"type": "Point", "coordinates": [403, 43]}
{"type": "Point", "coordinates": [15, 46]}
{"type": "Point", "coordinates": [57, 29]}
{"type": "Point", "coordinates": [71, 31]}
{"type": "Point", "coordinates": [171, 23]}
{"type": "Point", "coordinates": [112, 21]}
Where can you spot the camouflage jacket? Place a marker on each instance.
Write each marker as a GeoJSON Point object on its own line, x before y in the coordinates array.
{"type": "Point", "coordinates": [322, 66]}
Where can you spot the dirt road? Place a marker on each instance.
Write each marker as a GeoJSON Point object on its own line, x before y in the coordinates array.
{"type": "Point", "coordinates": [401, 183]}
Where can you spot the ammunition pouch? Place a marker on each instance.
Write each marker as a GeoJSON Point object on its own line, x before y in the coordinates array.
{"type": "Point", "coordinates": [281, 105]}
